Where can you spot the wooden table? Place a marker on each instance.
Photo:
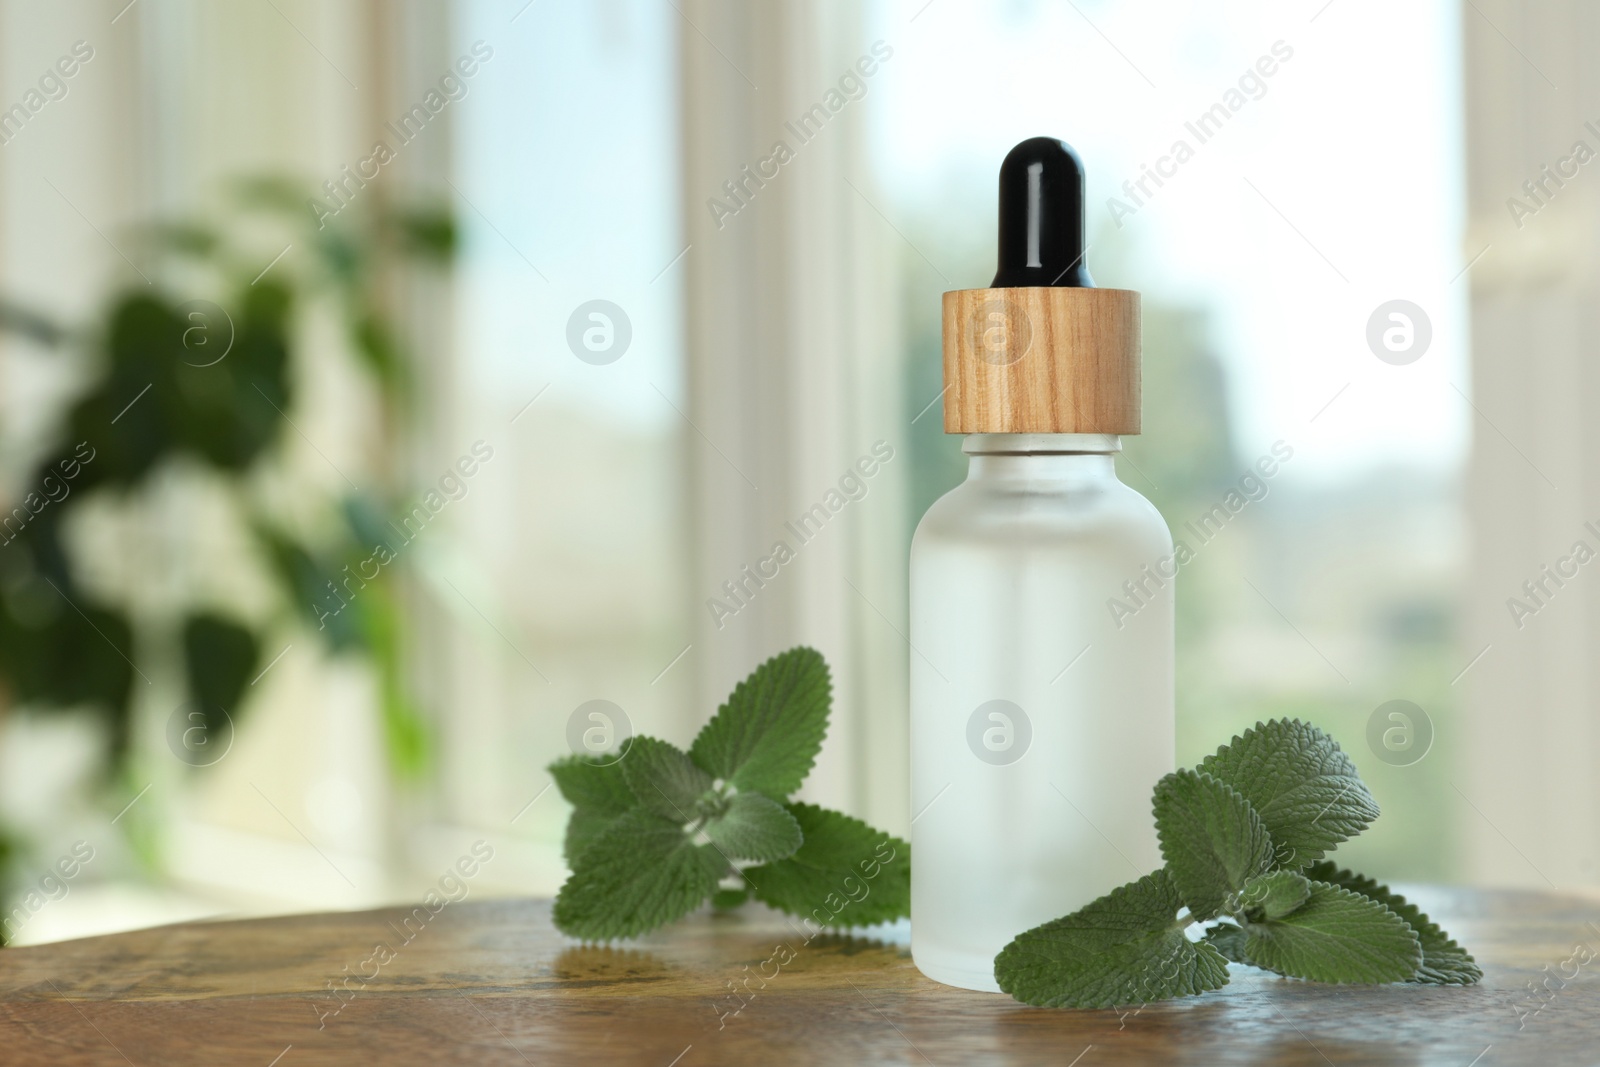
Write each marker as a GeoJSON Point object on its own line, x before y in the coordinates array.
{"type": "Point", "coordinates": [492, 983]}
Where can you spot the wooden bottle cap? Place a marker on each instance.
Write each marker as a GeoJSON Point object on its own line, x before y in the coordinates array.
{"type": "Point", "coordinates": [1041, 359]}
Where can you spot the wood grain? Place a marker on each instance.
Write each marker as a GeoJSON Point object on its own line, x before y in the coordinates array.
{"type": "Point", "coordinates": [492, 983]}
{"type": "Point", "coordinates": [1041, 360]}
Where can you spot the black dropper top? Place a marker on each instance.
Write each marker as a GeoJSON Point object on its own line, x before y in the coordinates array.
{"type": "Point", "coordinates": [1041, 216]}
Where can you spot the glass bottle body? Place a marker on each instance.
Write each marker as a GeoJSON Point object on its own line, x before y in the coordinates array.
{"type": "Point", "coordinates": [1041, 710]}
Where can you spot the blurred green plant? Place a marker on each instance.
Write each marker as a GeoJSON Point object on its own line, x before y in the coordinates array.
{"type": "Point", "coordinates": [198, 363]}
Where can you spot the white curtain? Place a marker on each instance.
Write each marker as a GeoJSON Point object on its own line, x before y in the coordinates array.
{"type": "Point", "coordinates": [1529, 805]}
{"type": "Point", "coordinates": [793, 373]}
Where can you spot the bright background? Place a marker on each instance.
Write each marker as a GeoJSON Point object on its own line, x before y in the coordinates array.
{"type": "Point", "coordinates": [766, 354]}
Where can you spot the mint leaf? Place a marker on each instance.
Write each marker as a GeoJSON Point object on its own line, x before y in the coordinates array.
{"type": "Point", "coordinates": [766, 737]}
{"type": "Point", "coordinates": [1228, 940]}
{"type": "Point", "coordinates": [844, 867]}
{"type": "Point", "coordinates": [1305, 789]}
{"type": "Point", "coordinates": [1125, 948]}
{"type": "Point", "coordinates": [728, 899]}
{"type": "Point", "coordinates": [1212, 840]}
{"type": "Point", "coordinates": [1282, 783]}
{"type": "Point", "coordinates": [1336, 936]}
{"type": "Point", "coordinates": [754, 828]}
{"type": "Point", "coordinates": [1274, 895]}
{"type": "Point", "coordinates": [640, 873]}
{"type": "Point", "coordinates": [1443, 961]}
{"type": "Point", "coordinates": [664, 780]}
{"type": "Point", "coordinates": [584, 828]}
{"type": "Point", "coordinates": [593, 782]}
{"type": "Point", "coordinates": [599, 794]}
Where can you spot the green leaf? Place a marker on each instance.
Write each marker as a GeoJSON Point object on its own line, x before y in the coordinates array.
{"type": "Point", "coordinates": [1305, 789]}
{"type": "Point", "coordinates": [599, 794]}
{"type": "Point", "coordinates": [381, 625]}
{"type": "Point", "coordinates": [664, 780]}
{"type": "Point", "coordinates": [641, 873]}
{"type": "Point", "coordinates": [1273, 895]}
{"type": "Point", "coordinates": [428, 233]}
{"type": "Point", "coordinates": [585, 826]}
{"type": "Point", "coordinates": [1336, 936]}
{"type": "Point", "coordinates": [1125, 948]}
{"type": "Point", "coordinates": [219, 656]}
{"type": "Point", "coordinates": [754, 828]}
{"type": "Point", "coordinates": [1212, 840]}
{"type": "Point", "coordinates": [307, 581]}
{"type": "Point", "coordinates": [1228, 940]}
{"type": "Point", "coordinates": [843, 867]}
{"type": "Point", "coordinates": [1443, 961]}
{"type": "Point", "coordinates": [594, 782]}
{"type": "Point", "coordinates": [378, 348]}
{"type": "Point", "coordinates": [766, 737]}
{"type": "Point", "coordinates": [728, 899]}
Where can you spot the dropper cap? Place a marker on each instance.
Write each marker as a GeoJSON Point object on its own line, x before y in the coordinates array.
{"type": "Point", "coordinates": [1042, 350]}
{"type": "Point", "coordinates": [1041, 216]}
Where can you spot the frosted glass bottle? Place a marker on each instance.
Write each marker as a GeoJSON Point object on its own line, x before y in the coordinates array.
{"type": "Point", "coordinates": [1040, 718]}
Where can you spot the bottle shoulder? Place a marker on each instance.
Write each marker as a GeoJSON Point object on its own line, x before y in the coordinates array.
{"type": "Point", "coordinates": [1104, 510]}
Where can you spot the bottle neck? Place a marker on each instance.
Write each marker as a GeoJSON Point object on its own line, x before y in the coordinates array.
{"type": "Point", "coordinates": [1041, 456]}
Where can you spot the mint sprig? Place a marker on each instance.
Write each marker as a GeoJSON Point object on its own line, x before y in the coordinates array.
{"type": "Point", "coordinates": [1242, 836]}
{"type": "Point", "coordinates": [655, 832]}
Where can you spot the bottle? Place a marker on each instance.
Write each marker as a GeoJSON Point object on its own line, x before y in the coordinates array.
{"type": "Point", "coordinates": [1041, 705]}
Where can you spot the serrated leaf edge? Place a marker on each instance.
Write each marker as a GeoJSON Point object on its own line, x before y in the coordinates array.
{"type": "Point", "coordinates": [1161, 838]}
{"type": "Point", "coordinates": [1426, 924]}
{"type": "Point", "coordinates": [1295, 862]}
{"type": "Point", "coordinates": [723, 708]}
{"type": "Point", "coordinates": [1350, 893]}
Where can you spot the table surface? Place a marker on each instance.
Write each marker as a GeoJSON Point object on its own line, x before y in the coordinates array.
{"type": "Point", "coordinates": [491, 982]}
